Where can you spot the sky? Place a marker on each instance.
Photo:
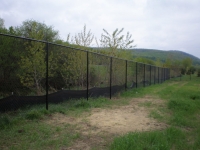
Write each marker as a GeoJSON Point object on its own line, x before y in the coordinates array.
{"type": "Point", "coordinates": [154, 24]}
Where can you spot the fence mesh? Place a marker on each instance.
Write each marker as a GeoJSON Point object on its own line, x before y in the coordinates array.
{"type": "Point", "coordinates": [99, 75]}
{"type": "Point", "coordinates": [22, 72]}
{"type": "Point", "coordinates": [131, 74]}
{"type": "Point", "coordinates": [38, 72]}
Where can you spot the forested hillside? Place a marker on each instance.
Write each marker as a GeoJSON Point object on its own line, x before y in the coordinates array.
{"type": "Point", "coordinates": [163, 55]}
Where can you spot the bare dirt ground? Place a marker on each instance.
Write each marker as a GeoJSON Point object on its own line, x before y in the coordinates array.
{"type": "Point", "coordinates": [101, 125]}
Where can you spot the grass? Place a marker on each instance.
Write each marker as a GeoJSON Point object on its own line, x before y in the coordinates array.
{"type": "Point", "coordinates": [182, 114]}
{"type": "Point", "coordinates": [73, 107]}
{"type": "Point", "coordinates": [165, 140]}
{"type": "Point", "coordinates": [26, 129]}
{"type": "Point", "coordinates": [36, 135]}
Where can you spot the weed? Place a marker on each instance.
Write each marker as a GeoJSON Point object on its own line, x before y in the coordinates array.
{"type": "Point", "coordinates": [25, 128]}
{"type": "Point", "coordinates": [33, 114]}
{"type": "Point", "coordinates": [5, 121]}
{"type": "Point", "coordinates": [164, 140]}
{"type": "Point", "coordinates": [156, 115]}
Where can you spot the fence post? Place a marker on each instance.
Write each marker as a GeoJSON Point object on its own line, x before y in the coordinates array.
{"type": "Point", "coordinates": [110, 77]}
{"type": "Point", "coordinates": [144, 77]}
{"type": "Point", "coordinates": [158, 75]}
{"type": "Point", "coordinates": [126, 76]}
{"type": "Point", "coordinates": [164, 74]}
{"type": "Point", "coordinates": [154, 75]}
{"type": "Point", "coordinates": [136, 74]}
{"type": "Point", "coordinates": [150, 75]}
{"type": "Point", "coordinates": [87, 76]}
{"type": "Point", "coordinates": [47, 74]}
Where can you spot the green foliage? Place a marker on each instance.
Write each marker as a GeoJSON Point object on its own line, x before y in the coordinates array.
{"type": "Point", "coordinates": [30, 29]}
{"type": "Point", "coordinates": [1, 23]}
{"type": "Point", "coordinates": [145, 61]}
{"type": "Point", "coordinates": [120, 53]}
{"type": "Point", "coordinates": [10, 51]}
{"type": "Point", "coordinates": [116, 41]}
{"type": "Point", "coordinates": [172, 55]}
{"type": "Point", "coordinates": [83, 38]}
{"type": "Point", "coordinates": [186, 64]}
{"type": "Point", "coordinates": [168, 63]}
{"type": "Point", "coordinates": [23, 61]}
{"type": "Point", "coordinates": [198, 73]}
{"type": "Point", "coordinates": [33, 66]}
{"type": "Point", "coordinates": [32, 63]}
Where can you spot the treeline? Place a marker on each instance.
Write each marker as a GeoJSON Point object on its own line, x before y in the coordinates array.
{"type": "Point", "coordinates": [23, 62]}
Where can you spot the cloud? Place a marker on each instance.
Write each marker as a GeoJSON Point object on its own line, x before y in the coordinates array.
{"type": "Point", "coordinates": [166, 24]}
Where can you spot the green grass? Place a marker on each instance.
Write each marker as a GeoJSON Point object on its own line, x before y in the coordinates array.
{"type": "Point", "coordinates": [36, 135]}
{"type": "Point", "coordinates": [72, 107]}
{"type": "Point", "coordinates": [26, 128]}
{"type": "Point", "coordinates": [165, 140]}
{"type": "Point", "coordinates": [156, 115]}
{"type": "Point", "coordinates": [182, 114]}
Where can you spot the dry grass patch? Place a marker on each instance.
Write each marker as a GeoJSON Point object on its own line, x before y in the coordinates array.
{"type": "Point", "coordinates": [102, 124]}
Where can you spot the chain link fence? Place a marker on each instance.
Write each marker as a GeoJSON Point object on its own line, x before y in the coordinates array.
{"type": "Point", "coordinates": [36, 72]}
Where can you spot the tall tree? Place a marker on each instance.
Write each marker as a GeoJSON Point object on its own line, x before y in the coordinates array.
{"type": "Point", "coordinates": [2, 23]}
{"type": "Point", "coordinates": [30, 27]}
{"type": "Point", "coordinates": [10, 50]}
{"type": "Point", "coordinates": [186, 63]}
{"type": "Point", "coordinates": [74, 66]}
{"type": "Point", "coordinates": [33, 59]}
{"type": "Point", "coordinates": [84, 38]}
{"type": "Point", "coordinates": [116, 41]}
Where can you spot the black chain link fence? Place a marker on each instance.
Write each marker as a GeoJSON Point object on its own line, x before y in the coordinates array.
{"type": "Point", "coordinates": [37, 72]}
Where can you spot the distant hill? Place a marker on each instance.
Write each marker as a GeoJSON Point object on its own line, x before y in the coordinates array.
{"type": "Point", "coordinates": [163, 55]}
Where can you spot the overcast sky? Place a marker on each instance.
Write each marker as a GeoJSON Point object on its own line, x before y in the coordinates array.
{"type": "Point", "coordinates": [154, 24]}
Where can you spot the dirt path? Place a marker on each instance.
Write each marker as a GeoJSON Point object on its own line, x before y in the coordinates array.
{"type": "Point", "coordinates": [102, 125]}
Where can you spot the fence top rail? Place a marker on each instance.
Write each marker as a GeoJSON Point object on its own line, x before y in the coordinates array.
{"type": "Point", "coordinates": [42, 41]}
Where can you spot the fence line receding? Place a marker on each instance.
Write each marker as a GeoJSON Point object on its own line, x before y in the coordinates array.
{"type": "Point", "coordinates": [39, 72]}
